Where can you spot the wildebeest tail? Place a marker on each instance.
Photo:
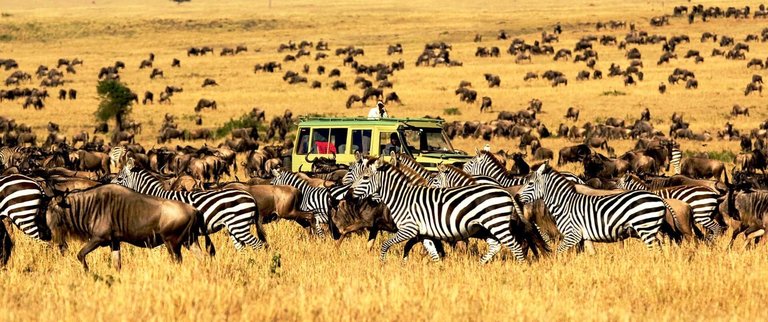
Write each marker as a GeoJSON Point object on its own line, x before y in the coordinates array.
{"type": "Point", "coordinates": [6, 245]}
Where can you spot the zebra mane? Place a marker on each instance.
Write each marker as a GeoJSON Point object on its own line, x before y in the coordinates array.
{"type": "Point", "coordinates": [496, 162]}
{"type": "Point", "coordinates": [459, 172]}
{"type": "Point", "coordinates": [408, 172]}
{"type": "Point", "coordinates": [398, 171]}
{"type": "Point", "coordinates": [631, 177]}
{"type": "Point", "coordinates": [411, 163]}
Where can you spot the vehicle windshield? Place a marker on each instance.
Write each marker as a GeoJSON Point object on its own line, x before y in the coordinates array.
{"type": "Point", "coordinates": [426, 140]}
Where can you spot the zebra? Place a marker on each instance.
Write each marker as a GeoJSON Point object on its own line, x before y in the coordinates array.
{"type": "Point", "coordinates": [675, 156]}
{"type": "Point", "coordinates": [7, 155]}
{"type": "Point", "coordinates": [485, 164]}
{"type": "Point", "coordinates": [404, 160]}
{"type": "Point", "coordinates": [231, 208]}
{"type": "Point", "coordinates": [703, 201]}
{"type": "Point", "coordinates": [313, 199]}
{"type": "Point", "coordinates": [590, 218]}
{"type": "Point", "coordinates": [21, 200]}
{"type": "Point", "coordinates": [451, 214]}
{"type": "Point", "coordinates": [451, 176]}
{"type": "Point", "coordinates": [116, 154]}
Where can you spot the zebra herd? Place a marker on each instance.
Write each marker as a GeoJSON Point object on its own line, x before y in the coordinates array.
{"type": "Point", "coordinates": [480, 200]}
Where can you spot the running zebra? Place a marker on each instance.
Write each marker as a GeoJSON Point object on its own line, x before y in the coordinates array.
{"type": "Point", "coordinates": [231, 208]}
{"type": "Point", "coordinates": [588, 218]}
{"type": "Point", "coordinates": [486, 164]}
{"type": "Point", "coordinates": [451, 214]}
{"type": "Point", "coordinates": [703, 201]}
{"type": "Point", "coordinates": [313, 199]}
{"type": "Point", "coordinates": [116, 155]}
{"type": "Point", "coordinates": [20, 200]}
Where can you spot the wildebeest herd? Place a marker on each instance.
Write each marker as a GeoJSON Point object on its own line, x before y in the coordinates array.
{"type": "Point", "coordinates": [109, 193]}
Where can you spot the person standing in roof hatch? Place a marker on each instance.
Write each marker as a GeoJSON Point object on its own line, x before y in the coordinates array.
{"type": "Point", "coordinates": [378, 111]}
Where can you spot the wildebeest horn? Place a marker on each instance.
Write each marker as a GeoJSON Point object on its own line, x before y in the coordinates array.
{"type": "Point", "coordinates": [306, 158]}
{"type": "Point", "coordinates": [334, 156]}
{"type": "Point", "coordinates": [300, 165]}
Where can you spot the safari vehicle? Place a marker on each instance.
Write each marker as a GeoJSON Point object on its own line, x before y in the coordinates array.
{"type": "Point", "coordinates": [340, 138]}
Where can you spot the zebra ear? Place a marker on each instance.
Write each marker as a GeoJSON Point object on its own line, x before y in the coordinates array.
{"type": "Point", "coordinates": [275, 172]}
{"type": "Point", "coordinates": [393, 155]}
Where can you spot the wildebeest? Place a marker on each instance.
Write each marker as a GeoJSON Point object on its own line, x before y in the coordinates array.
{"type": "Point", "coordinates": [575, 153]}
{"type": "Point", "coordinates": [753, 87]}
{"type": "Point", "coordinates": [209, 82]}
{"type": "Point", "coordinates": [493, 80]}
{"type": "Point", "coordinates": [111, 214]}
{"type": "Point", "coordinates": [156, 72]}
{"type": "Point", "coordinates": [572, 113]}
{"type": "Point", "coordinates": [701, 168]}
{"type": "Point", "coordinates": [205, 103]}
{"type": "Point", "coordinates": [739, 110]}
{"type": "Point", "coordinates": [692, 84]}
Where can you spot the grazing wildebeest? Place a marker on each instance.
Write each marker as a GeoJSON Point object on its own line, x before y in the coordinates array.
{"type": "Point", "coordinates": [205, 103]}
{"type": "Point", "coordinates": [209, 82]}
{"type": "Point", "coordinates": [692, 84]}
{"type": "Point", "coordinates": [572, 113]}
{"type": "Point", "coordinates": [72, 94]}
{"type": "Point", "coordinates": [176, 63]}
{"type": "Point", "coordinates": [486, 104]}
{"type": "Point", "coordinates": [156, 72]}
{"type": "Point", "coordinates": [575, 153]}
{"type": "Point", "coordinates": [662, 88]}
{"type": "Point", "coordinates": [493, 80]}
{"type": "Point", "coordinates": [753, 87]}
{"type": "Point", "coordinates": [110, 214]}
{"type": "Point", "coordinates": [530, 75]}
{"type": "Point", "coordinates": [559, 80]}
{"type": "Point", "coordinates": [392, 97]}
{"type": "Point", "coordinates": [739, 110]}
{"type": "Point", "coordinates": [701, 168]}
{"type": "Point", "coordinates": [352, 99]}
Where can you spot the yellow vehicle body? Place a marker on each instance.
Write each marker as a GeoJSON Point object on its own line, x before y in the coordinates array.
{"type": "Point", "coordinates": [339, 138]}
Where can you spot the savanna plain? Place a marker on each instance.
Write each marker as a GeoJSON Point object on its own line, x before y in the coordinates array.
{"type": "Point", "coordinates": [302, 278]}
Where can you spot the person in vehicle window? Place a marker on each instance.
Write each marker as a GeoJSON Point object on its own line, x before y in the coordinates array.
{"type": "Point", "coordinates": [394, 144]}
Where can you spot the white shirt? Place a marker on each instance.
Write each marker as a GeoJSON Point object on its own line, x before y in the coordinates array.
{"type": "Point", "coordinates": [374, 113]}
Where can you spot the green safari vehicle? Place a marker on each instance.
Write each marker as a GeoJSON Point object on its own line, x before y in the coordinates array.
{"type": "Point", "coordinates": [421, 138]}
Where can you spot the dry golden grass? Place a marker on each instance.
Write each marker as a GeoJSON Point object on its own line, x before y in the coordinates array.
{"type": "Point", "coordinates": [316, 280]}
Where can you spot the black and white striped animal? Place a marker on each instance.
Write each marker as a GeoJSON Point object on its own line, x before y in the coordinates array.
{"type": "Point", "coordinates": [20, 200]}
{"type": "Point", "coordinates": [451, 214]}
{"type": "Point", "coordinates": [592, 218]}
{"type": "Point", "coordinates": [702, 200]}
{"type": "Point", "coordinates": [313, 199]}
{"type": "Point", "coordinates": [231, 208]}
{"type": "Point", "coordinates": [485, 164]}
{"type": "Point", "coordinates": [116, 155]}
{"type": "Point", "coordinates": [7, 156]}
{"type": "Point", "coordinates": [675, 156]}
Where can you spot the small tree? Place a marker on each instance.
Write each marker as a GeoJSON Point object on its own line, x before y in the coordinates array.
{"type": "Point", "coordinates": [116, 101]}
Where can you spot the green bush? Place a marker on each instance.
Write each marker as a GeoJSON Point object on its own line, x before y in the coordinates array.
{"type": "Point", "coordinates": [245, 121]}
{"type": "Point", "coordinates": [723, 155]}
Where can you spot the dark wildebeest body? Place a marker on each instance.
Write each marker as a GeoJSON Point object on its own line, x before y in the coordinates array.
{"type": "Point", "coordinates": [280, 201]}
{"type": "Point", "coordinates": [700, 168]}
{"type": "Point", "coordinates": [110, 214]}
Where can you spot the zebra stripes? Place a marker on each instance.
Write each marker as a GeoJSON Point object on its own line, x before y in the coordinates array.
{"type": "Point", "coordinates": [116, 154]}
{"type": "Point", "coordinates": [20, 200]}
{"type": "Point", "coordinates": [595, 218]}
{"type": "Point", "coordinates": [231, 208]}
{"type": "Point", "coordinates": [313, 199]}
{"type": "Point", "coordinates": [675, 156]}
{"type": "Point", "coordinates": [450, 214]}
{"type": "Point", "coordinates": [703, 201]}
{"type": "Point", "coordinates": [485, 164]}
{"type": "Point", "coordinates": [6, 156]}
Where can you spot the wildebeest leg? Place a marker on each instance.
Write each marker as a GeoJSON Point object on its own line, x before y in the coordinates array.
{"type": "Point", "coordinates": [408, 246]}
{"type": "Point", "coordinates": [87, 248]}
{"type": "Point", "coordinates": [372, 237]}
{"type": "Point", "coordinates": [6, 245]}
{"type": "Point", "coordinates": [751, 234]}
{"type": "Point", "coordinates": [736, 232]}
{"type": "Point", "coordinates": [116, 260]}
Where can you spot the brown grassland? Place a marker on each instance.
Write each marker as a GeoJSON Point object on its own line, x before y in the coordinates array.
{"type": "Point", "coordinates": [316, 280]}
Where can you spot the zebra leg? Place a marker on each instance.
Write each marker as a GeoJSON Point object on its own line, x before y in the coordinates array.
{"type": "Point", "coordinates": [406, 232]}
{"type": "Point", "coordinates": [648, 233]}
{"type": "Point", "coordinates": [319, 226]}
{"type": "Point", "coordinates": [431, 248]}
{"type": "Point", "coordinates": [494, 246]}
{"type": "Point", "coordinates": [589, 247]}
{"type": "Point", "coordinates": [569, 240]}
{"type": "Point", "coordinates": [238, 245]}
{"type": "Point", "coordinates": [503, 234]}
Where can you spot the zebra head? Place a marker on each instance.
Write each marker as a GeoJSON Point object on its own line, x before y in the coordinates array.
{"type": "Point", "coordinates": [356, 169]}
{"type": "Point", "coordinates": [369, 183]}
{"type": "Point", "coordinates": [535, 185]}
{"type": "Point", "coordinates": [126, 177]}
{"type": "Point", "coordinates": [279, 177]}
{"type": "Point", "coordinates": [440, 179]}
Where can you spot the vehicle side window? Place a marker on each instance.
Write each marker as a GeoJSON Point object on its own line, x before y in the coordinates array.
{"type": "Point", "coordinates": [320, 143]}
{"type": "Point", "coordinates": [338, 141]}
{"type": "Point", "coordinates": [361, 141]}
{"type": "Point", "coordinates": [389, 142]}
{"type": "Point", "coordinates": [303, 146]}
